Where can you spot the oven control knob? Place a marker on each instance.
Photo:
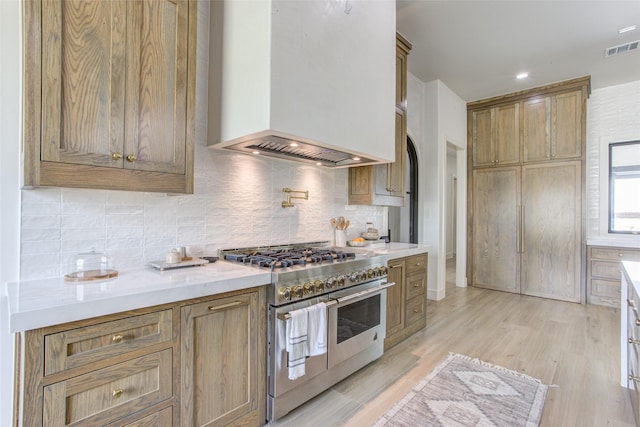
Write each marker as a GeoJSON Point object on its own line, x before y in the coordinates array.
{"type": "Point", "coordinates": [307, 288]}
{"type": "Point", "coordinates": [370, 273]}
{"type": "Point", "coordinates": [383, 270]}
{"type": "Point", "coordinates": [354, 277]}
{"type": "Point", "coordinates": [376, 272]}
{"type": "Point", "coordinates": [342, 279]}
{"type": "Point", "coordinates": [297, 291]}
{"type": "Point", "coordinates": [332, 282]}
{"type": "Point", "coordinates": [284, 293]}
{"type": "Point", "coordinates": [319, 286]}
{"type": "Point", "coordinates": [363, 275]}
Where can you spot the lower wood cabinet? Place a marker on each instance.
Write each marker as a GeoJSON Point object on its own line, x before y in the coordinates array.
{"type": "Point", "coordinates": [407, 300]}
{"type": "Point", "coordinates": [189, 363]}
{"type": "Point", "coordinates": [603, 273]}
{"type": "Point", "coordinates": [219, 346]}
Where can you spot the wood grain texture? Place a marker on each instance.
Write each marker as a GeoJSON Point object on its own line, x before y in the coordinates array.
{"type": "Point", "coordinates": [94, 398]}
{"type": "Point", "coordinates": [220, 341]}
{"type": "Point", "coordinates": [604, 272]}
{"type": "Point", "coordinates": [384, 185]}
{"type": "Point", "coordinates": [552, 230]}
{"type": "Point", "coordinates": [536, 132]}
{"type": "Point", "coordinates": [113, 79]}
{"type": "Point", "coordinates": [496, 197]}
{"type": "Point", "coordinates": [395, 298]}
{"type": "Point", "coordinates": [406, 301]}
{"type": "Point", "coordinates": [574, 347]}
{"type": "Point", "coordinates": [77, 347]}
{"type": "Point", "coordinates": [567, 138]}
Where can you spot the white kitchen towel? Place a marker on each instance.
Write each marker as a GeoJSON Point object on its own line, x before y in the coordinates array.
{"type": "Point", "coordinates": [317, 329]}
{"type": "Point", "coordinates": [296, 342]}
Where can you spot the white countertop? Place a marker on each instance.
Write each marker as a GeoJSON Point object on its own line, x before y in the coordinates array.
{"type": "Point", "coordinates": [40, 303]}
{"type": "Point", "coordinates": [631, 270]}
{"type": "Point", "coordinates": [620, 241]}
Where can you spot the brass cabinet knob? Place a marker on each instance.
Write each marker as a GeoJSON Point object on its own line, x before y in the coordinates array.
{"type": "Point", "coordinates": [116, 156]}
{"type": "Point", "coordinates": [117, 339]}
{"type": "Point", "coordinates": [117, 393]}
{"type": "Point", "coordinates": [131, 158]}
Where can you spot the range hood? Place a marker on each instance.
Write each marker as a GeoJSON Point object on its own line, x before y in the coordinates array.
{"type": "Point", "coordinates": [310, 81]}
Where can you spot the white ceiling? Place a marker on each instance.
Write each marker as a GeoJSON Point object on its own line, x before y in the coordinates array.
{"type": "Point", "coordinates": [476, 48]}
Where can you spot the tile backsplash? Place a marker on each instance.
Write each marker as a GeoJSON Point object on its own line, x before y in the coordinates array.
{"type": "Point", "coordinates": [236, 203]}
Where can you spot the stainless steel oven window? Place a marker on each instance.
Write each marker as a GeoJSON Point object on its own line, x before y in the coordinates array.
{"type": "Point", "coordinates": [358, 317]}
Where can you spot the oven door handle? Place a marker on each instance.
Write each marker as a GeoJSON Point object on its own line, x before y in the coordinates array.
{"type": "Point", "coordinates": [363, 294]}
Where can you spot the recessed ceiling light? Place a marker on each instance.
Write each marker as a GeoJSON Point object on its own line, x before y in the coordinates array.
{"type": "Point", "coordinates": [357, 159]}
{"type": "Point", "coordinates": [522, 76]}
{"type": "Point", "coordinates": [318, 164]}
{"type": "Point", "coordinates": [256, 152]}
{"type": "Point", "coordinates": [627, 29]}
{"type": "Point", "coordinates": [293, 144]}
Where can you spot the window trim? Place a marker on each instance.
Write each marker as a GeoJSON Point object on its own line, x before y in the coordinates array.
{"type": "Point", "coordinates": [611, 186]}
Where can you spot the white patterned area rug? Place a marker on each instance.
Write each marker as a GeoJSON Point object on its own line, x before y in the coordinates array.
{"type": "Point", "coordinates": [463, 392]}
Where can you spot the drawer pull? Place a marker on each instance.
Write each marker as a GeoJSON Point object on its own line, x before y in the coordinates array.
{"type": "Point", "coordinates": [117, 393]}
{"type": "Point", "coordinates": [220, 307]}
{"type": "Point", "coordinates": [632, 341]}
{"type": "Point", "coordinates": [395, 266]}
{"type": "Point", "coordinates": [415, 310]}
{"type": "Point", "coordinates": [416, 285]}
{"type": "Point", "coordinates": [117, 339]}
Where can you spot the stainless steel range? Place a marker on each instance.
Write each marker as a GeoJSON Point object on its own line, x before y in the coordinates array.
{"type": "Point", "coordinates": [349, 284]}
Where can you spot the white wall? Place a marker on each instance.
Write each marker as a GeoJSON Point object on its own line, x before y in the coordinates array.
{"type": "Point", "coordinates": [613, 115]}
{"type": "Point", "coordinates": [236, 203]}
{"type": "Point", "coordinates": [445, 123]}
{"type": "Point", "coordinates": [10, 118]}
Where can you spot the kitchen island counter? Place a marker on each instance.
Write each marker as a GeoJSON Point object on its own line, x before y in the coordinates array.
{"type": "Point", "coordinates": [39, 303]}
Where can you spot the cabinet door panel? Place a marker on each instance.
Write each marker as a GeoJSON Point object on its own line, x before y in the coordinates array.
{"type": "Point", "coordinates": [536, 129]}
{"type": "Point", "coordinates": [552, 206]}
{"type": "Point", "coordinates": [482, 138]}
{"type": "Point", "coordinates": [395, 297]}
{"type": "Point", "coordinates": [83, 81]}
{"type": "Point", "coordinates": [219, 381]}
{"type": "Point", "coordinates": [496, 196]}
{"type": "Point", "coordinates": [566, 136]}
{"type": "Point", "coordinates": [155, 130]}
{"type": "Point", "coordinates": [507, 138]}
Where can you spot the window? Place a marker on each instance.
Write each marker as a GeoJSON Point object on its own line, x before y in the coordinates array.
{"type": "Point", "coordinates": [624, 187]}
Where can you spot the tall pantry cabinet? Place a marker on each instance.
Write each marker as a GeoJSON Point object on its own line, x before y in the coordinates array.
{"type": "Point", "coordinates": [526, 162]}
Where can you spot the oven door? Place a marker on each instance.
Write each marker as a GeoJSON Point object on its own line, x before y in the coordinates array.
{"type": "Point", "coordinates": [279, 382]}
{"type": "Point", "coordinates": [357, 321]}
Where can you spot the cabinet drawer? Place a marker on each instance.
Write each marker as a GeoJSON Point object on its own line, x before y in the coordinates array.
{"type": "Point", "coordinates": [605, 289]}
{"type": "Point", "coordinates": [416, 263]}
{"type": "Point", "coordinates": [162, 418]}
{"type": "Point", "coordinates": [606, 269]}
{"type": "Point", "coordinates": [619, 254]}
{"type": "Point", "coordinates": [415, 309]}
{"type": "Point", "coordinates": [416, 285]}
{"type": "Point", "coordinates": [107, 394]}
{"type": "Point", "coordinates": [81, 346]}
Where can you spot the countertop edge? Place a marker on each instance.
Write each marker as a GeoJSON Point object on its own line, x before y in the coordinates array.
{"type": "Point", "coordinates": [26, 309]}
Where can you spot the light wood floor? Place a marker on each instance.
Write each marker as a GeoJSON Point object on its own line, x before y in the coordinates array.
{"type": "Point", "coordinates": [572, 347]}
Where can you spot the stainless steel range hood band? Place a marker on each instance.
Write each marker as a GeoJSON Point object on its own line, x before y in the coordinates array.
{"type": "Point", "coordinates": [283, 148]}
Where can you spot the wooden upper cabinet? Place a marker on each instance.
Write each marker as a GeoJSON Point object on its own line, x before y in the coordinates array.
{"type": "Point", "coordinates": [110, 94]}
{"type": "Point", "coordinates": [553, 127]}
{"type": "Point", "coordinates": [496, 136]}
{"type": "Point", "coordinates": [384, 184]}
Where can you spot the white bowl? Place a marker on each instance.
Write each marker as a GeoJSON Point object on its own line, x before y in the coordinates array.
{"type": "Point", "coordinates": [371, 236]}
{"type": "Point", "coordinates": [356, 244]}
